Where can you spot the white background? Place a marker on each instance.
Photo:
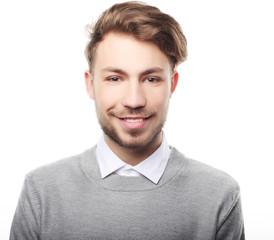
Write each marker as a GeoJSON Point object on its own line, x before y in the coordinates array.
{"type": "Point", "coordinates": [220, 114]}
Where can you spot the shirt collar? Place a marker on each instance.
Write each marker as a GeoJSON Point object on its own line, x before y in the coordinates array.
{"type": "Point", "coordinates": [152, 167]}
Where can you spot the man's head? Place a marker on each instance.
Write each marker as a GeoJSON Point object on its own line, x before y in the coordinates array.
{"type": "Point", "coordinates": [132, 55]}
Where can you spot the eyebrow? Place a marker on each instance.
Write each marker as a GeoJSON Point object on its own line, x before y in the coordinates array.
{"type": "Point", "coordinates": [142, 74]}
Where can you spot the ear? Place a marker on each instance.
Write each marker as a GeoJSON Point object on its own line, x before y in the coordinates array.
{"type": "Point", "coordinates": [174, 82]}
{"type": "Point", "coordinates": [89, 84]}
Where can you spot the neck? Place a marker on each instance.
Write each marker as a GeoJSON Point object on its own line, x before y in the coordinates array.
{"type": "Point", "coordinates": [136, 155]}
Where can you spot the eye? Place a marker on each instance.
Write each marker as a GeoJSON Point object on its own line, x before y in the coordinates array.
{"type": "Point", "coordinates": [114, 79]}
{"type": "Point", "coordinates": [152, 80]}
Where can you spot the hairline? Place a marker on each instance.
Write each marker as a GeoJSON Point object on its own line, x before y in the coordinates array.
{"type": "Point", "coordinates": [91, 68]}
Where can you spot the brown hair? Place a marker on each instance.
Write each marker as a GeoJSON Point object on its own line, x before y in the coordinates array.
{"type": "Point", "coordinates": [143, 22]}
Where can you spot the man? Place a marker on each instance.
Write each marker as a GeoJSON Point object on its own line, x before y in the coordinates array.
{"type": "Point", "coordinates": [131, 185]}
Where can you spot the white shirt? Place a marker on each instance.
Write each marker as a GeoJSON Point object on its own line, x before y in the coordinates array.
{"type": "Point", "coordinates": [152, 167]}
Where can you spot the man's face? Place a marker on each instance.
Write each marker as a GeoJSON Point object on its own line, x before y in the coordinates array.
{"type": "Point", "coordinates": [131, 84]}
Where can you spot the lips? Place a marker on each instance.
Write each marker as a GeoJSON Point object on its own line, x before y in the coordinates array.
{"type": "Point", "coordinates": [130, 120]}
{"type": "Point", "coordinates": [134, 122]}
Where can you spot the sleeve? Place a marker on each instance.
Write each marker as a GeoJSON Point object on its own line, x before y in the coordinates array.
{"type": "Point", "coordinates": [26, 221]}
{"type": "Point", "coordinates": [232, 226]}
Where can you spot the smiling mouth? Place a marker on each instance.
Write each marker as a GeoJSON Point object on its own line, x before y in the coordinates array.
{"type": "Point", "coordinates": [134, 120]}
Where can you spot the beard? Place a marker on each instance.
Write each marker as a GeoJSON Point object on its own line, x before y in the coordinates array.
{"type": "Point", "coordinates": [132, 142]}
{"type": "Point", "coordinates": [134, 139]}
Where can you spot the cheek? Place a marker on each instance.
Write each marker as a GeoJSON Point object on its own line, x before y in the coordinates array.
{"type": "Point", "coordinates": [159, 98]}
{"type": "Point", "coordinates": [106, 97]}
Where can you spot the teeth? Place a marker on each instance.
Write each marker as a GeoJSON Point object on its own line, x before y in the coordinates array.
{"type": "Point", "coordinates": [134, 120]}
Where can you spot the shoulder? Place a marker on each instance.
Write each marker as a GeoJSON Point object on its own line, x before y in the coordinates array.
{"type": "Point", "coordinates": [205, 178]}
{"type": "Point", "coordinates": [66, 169]}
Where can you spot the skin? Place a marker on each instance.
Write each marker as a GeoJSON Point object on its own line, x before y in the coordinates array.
{"type": "Point", "coordinates": [131, 84]}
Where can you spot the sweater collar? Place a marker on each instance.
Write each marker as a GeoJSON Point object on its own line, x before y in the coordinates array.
{"type": "Point", "coordinates": [176, 164]}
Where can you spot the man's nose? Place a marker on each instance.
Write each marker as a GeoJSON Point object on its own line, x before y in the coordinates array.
{"type": "Point", "coordinates": [134, 96]}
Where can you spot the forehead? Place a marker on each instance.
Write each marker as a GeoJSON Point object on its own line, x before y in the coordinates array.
{"type": "Point", "coordinates": [125, 52]}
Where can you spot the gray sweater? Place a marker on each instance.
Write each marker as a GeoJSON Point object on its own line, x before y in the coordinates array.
{"type": "Point", "coordinates": [69, 200]}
